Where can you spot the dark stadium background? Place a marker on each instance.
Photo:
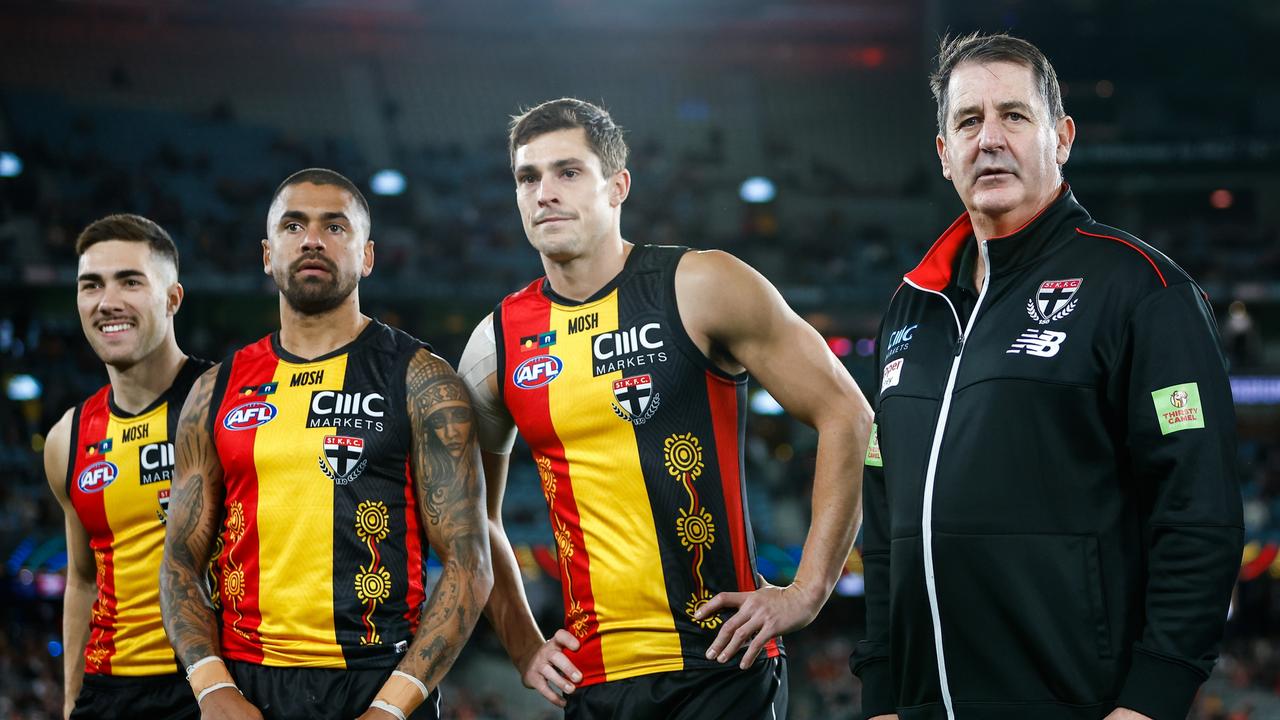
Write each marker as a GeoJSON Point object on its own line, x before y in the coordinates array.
{"type": "Point", "coordinates": [190, 112]}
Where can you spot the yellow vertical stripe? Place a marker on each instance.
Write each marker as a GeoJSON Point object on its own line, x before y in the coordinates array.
{"type": "Point", "coordinates": [295, 526]}
{"type": "Point", "coordinates": [141, 647]}
{"type": "Point", "coordinates": [636, 627]}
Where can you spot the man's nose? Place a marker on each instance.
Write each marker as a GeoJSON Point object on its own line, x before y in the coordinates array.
{"type": "Point", "coordinates": [991, 137]}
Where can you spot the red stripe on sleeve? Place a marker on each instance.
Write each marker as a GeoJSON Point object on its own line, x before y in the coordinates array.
{"type": "Point", "coordinates": [1133, 247]}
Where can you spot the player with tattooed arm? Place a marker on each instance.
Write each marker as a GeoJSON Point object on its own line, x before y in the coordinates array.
{"type": "Point", "coordinates": [328, 449]}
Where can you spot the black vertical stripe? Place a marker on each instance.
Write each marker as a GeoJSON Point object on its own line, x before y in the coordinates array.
{"type": "Point", "coordinates": [680, 388]}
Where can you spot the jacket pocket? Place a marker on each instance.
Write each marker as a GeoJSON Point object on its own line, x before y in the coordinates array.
{"type": "Point", "coordinates": [1023, 618]}
{"type": "Point", "coordinates": [1097, 596]}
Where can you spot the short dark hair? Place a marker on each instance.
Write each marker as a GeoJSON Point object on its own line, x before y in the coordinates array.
{"type": "Point", "coordinates": [325, 176]}
{"type": "Point", "coordinates": [994, 47]}
{"type": "Point", "coordinates": [129, 228]}
{"type": "Point", "coordinates": [604, 136]}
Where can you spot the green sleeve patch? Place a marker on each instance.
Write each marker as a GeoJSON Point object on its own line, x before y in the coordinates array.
{"type": "Point", "coordinates": [1178, 408]}
{"type": "Point", "coordinates": [873, 458]}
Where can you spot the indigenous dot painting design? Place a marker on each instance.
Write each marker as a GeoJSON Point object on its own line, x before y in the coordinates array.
{"type": "Point", "coordinates": [682, 456]}
{"type": "Point", "coordinates": [233, 581]}
{"type": "Point", "coordinates": [575, 614]}
{"type": "Point", "coordinates": [373, 582]}
{"type": "Point", "coordinates": [98, 648]}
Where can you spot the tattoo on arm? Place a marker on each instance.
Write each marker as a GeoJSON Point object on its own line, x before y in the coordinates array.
{"type": "Point", "coordinates": [450, 493]}
{"type": "Point", "coordinates": [194, 509]}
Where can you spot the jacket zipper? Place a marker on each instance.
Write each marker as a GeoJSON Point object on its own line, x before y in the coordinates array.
{"type": "Point", "coordinates": [926, 521]}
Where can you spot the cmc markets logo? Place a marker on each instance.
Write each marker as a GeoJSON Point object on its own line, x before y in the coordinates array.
{"type": "Point", "coordinates": [249, 415]}
{"type": "Point", "coordinates": [537, 371]}
{"type": "Point", "coordinates": [97, 476]}
{"type": "Point", "coordinates": [627, 349]}
{"type": "Point", "coordinates": [346, 410]}
{"type": "Point", "coordinates": [156, 463]}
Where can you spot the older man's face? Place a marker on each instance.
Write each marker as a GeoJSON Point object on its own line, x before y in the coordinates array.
{"type": "Point", "coordinates": [1000, 146]}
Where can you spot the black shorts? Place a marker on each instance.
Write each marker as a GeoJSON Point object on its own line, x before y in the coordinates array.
{"type": "Point", "coordinates": [164, 697]}
{"type": "Point", "coordinates": [283, 693]}
{"type": "Point", "coordinates": [726, 693]}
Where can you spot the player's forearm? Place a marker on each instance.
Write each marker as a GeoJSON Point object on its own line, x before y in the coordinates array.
{"type": "Point", "coordinates": [77, 604]}
{"type": "Point", "coordinates": [836, 503]}
{"type": "Point", "coordinates": [508, 609]}
{"type": "Point", "coordinates": [185, 606]}
{"type": "Point", "coordinates": [451, 612]}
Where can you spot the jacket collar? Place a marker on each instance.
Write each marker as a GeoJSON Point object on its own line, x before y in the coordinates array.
{"type": "Point", "coordinates": [1038, 237]}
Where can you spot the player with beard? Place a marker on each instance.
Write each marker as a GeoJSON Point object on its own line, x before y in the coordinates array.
{"type": "Point", "coordinates": [318, 445]}
{"type": "Point", "coordinates": [109, 462]}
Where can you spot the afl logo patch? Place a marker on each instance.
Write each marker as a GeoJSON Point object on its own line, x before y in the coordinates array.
{"type": "Point", "coordinates": [97, 476]}
{"type": "Point", "coordinates": [249, 415]}
{"type": "Point", "coordinates": [537, 371]}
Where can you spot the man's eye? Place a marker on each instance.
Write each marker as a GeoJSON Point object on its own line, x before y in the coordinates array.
{"type": "Point", "coordinates": [968, 122]}
{"type": "Point", "coordinates": [571, 173]}
{"type": "Point", "coordinates": [292, 227]}
{"type": "Point", "coordinates": [335, 229]}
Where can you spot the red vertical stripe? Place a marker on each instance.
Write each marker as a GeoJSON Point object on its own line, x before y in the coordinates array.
{"type": "Point", "coordinates": [413, 545]}
{"type": "Point", "coordinates": [91, 507]}
{"type": "Point", "coordinates": [530, 314]}
{"type": "Point", "coordinates": [723, 396]}
{"type": "Point", "coordinates": [241, 616]}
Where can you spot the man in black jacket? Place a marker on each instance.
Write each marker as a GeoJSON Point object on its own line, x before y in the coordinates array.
{"type": "Point", "coordinates": [1053, 524]}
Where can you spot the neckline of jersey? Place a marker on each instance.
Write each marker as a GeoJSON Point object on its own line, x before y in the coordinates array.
{"type": "Point", "coordinates": [289, 357]}
{"type": "Point", "coordinates": [627, 268]}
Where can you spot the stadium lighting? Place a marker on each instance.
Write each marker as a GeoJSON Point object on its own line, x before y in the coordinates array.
{"type": "Point", "coordinates": [387, 182]}
{"type": "Point", "coordinates": [23, 387]}
{"type": "Point", "coordinates": [10, 165]}
{"type": "Point", "coordinates": [762, 403]}
{"type": "Point", "coordinates": [757, 190]}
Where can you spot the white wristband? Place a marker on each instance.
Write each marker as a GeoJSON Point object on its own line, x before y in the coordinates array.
{"type": "Point", "coordinates": [202, 661]}
{"type": "Point", "coordinates": [215, 686]}
{"type": "Point", "coordinates": [388, 707]}
{"type": "Point", "coordinates": [422, 687]}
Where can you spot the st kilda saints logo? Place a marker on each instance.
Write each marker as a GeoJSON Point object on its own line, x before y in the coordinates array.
{"type": "Point", "coordinates": [635, 399]}
{"type": "Point", "coordinates": [1054, 300]}
{"type": "Point", "coordinates": [342, 460]}
{"type": "Point", "coordinates": [163, 513]}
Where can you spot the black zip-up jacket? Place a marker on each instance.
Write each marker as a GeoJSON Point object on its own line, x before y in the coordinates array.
{"type": "Point", "coordinates": [1053, 522]}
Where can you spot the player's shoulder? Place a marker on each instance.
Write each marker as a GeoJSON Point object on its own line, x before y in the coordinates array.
{"type": "Point", "coordinates": [1133, 259]}
{"type": "Point", "coordinates": [57, 451]}
{"type": "Point", "coordinates": [711, 266]}
{"type": "Point", "coordinates": [62, 427]}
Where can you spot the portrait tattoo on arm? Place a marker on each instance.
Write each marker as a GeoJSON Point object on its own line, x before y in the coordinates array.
{"type": "Point", "coordinates": [194, 510]}
{"type": "Point", "coordinates": [445, 457]}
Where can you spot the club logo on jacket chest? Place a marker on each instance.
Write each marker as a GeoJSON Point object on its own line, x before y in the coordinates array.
{"type": "Point", "coordinates": [1054, 300]}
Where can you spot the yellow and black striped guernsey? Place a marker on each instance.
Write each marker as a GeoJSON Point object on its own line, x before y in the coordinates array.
{"type": "Point", "coordinates": [638, 441]}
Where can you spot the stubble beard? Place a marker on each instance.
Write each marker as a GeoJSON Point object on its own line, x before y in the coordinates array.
{"type": "Point", "coordinates": [316, 296]}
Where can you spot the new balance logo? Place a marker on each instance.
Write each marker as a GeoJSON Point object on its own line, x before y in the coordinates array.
{"type": "Point", "coordinates": [1041, 343]}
